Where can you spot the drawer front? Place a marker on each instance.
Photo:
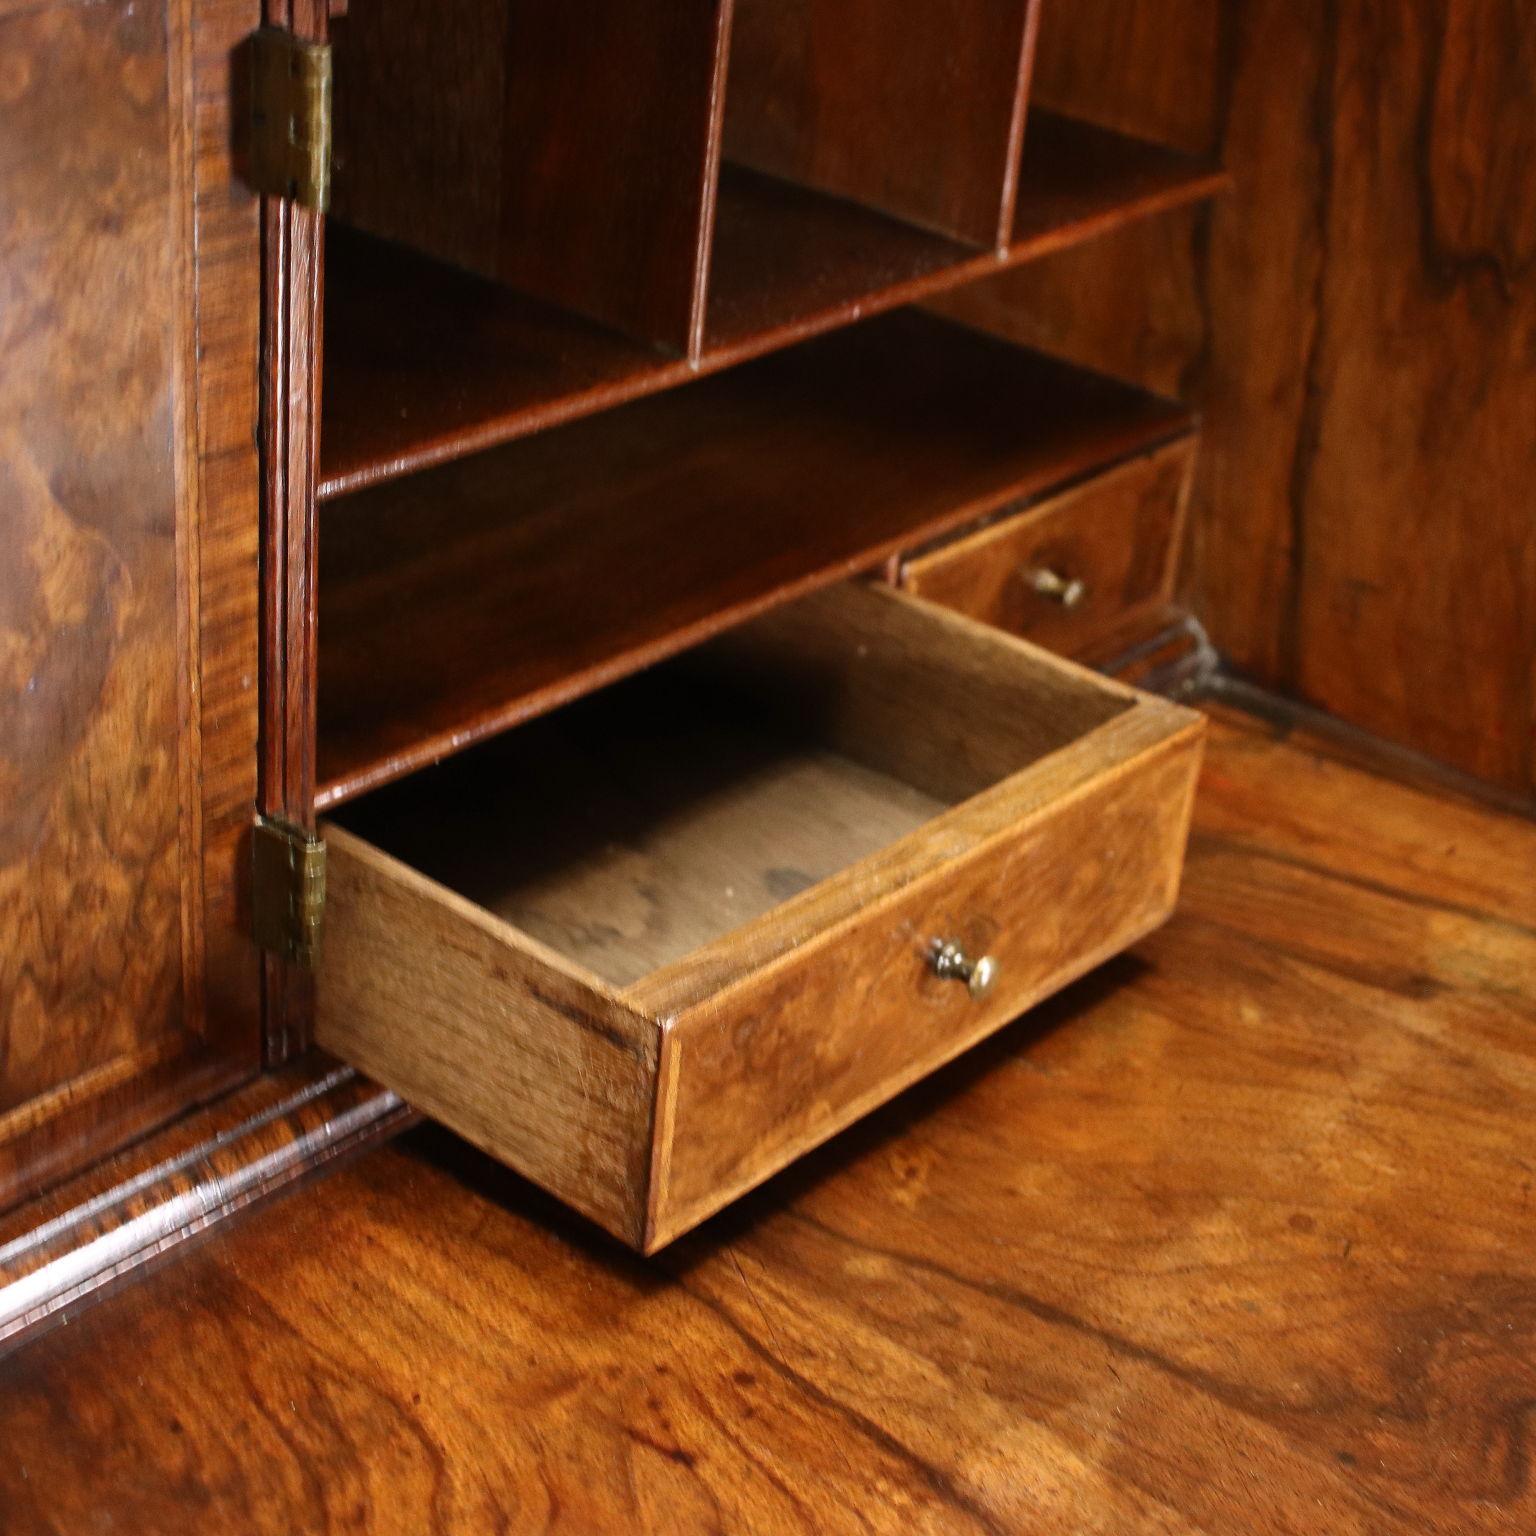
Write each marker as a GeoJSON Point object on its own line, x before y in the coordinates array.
{"type": "Point", "coordinates": [1066, 572]}
{"type": "Point", "coordinates": [787, 1058]}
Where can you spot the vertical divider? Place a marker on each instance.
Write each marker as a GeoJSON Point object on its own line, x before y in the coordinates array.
{"type": "Point", "coordinates": [1015, 163]}
{"type": "Point", "coordinates": [703, 266]}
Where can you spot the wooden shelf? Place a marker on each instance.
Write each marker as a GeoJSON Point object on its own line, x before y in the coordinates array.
{"type": "Point", "coordinates": [425, 363]}
{"type": "Point", "coordinates": [456, 603]}
{"type": "Point", "coordinates": [1078, 181]}
{"type": "Point", "coordinates": [790, 262]}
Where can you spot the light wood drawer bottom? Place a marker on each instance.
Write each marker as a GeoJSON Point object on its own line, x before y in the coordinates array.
{"type": "Point", "coordinates": [651, 948]}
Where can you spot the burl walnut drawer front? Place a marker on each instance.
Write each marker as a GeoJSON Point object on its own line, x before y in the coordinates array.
{"type": "Point", "coordinates": [1065, 572]}
{"type": "Point", "coordinates": [652, 947]}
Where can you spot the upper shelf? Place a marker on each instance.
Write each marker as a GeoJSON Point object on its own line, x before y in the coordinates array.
{"type": "Point", "coordinates": [425, 363]}
{"type": "Point", "coordinates": [1079, 181]}
{"type": "Point", "coordinates": [458, 602]}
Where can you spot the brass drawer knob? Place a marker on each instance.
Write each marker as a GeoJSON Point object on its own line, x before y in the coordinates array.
{"type": "Point", "coordinates": [1069, 591]}
{"type": "Point", "coordinates": [953, 964]}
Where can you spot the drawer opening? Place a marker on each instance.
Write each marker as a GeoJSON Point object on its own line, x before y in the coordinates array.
{"type": "Point", "coordinates": [635, 826]}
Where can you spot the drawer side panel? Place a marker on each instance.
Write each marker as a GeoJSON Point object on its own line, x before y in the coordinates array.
{"type": "Point", "coordinates": [482, 1029]}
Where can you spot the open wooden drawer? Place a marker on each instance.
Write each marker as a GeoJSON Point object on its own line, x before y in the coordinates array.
{"type": "Point", "coordinates": [652, 947]}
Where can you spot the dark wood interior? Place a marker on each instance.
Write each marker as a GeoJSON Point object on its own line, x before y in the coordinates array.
{"type": "Point", "coordinates": [914, 107]}
{"type": "Point", "coordinates": [568, 151]}
{"type": "Point", "coordinates": [564, 561]}
{"type": "Point", "coordinates": [1078, 181]}
{"type": "Point", "coordinates": [1354, 323]}
{"type": "Point", "coordinates": [466, 363]}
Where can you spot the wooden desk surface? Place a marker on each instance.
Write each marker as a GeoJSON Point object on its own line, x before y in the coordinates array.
{"type": "Point", "coordinates": [1236, 1237]}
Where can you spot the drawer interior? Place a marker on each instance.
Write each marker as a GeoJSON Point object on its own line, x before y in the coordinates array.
{"type": "Point", "coordinates": [644, 822]}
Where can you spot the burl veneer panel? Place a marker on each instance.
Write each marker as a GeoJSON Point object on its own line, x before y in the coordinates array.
{"type": "Point", "coordinates": [103, 904]}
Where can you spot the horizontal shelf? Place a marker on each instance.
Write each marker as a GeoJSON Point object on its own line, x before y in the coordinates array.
{"type": "Point", "coordinates": [790, 262]}
{"type": "Point", "coordinates": [425, 363]}
{"type": "Point", "coordinates": [1078, 181]}
{"type": "Point", "coordinates": [456, 603]}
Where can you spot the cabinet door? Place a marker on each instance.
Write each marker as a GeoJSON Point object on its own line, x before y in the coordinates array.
{"type": "Point", "coordinates": [129, 600]}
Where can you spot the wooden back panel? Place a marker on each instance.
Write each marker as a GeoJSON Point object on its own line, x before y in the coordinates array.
{"type": "Point", "coordinates": [914, 107]}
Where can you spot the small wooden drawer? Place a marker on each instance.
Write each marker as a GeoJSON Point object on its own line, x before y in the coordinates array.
{"type": "Point", "coordinates": [1070, 569]}
{"type": "Point", "coordinates": [650, 948]}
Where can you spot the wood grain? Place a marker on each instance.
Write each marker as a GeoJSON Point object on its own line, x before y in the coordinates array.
{"type": "Point", "coordinates": [790, 261]}
{"type": "Point", "coordinates": [292, 302]}
{"type": "Point", "coordinates": [705, 821]}
{"type": "Point", "coordinates": [1408, 487]}
{"type": "Point", "coordinates": [91, 707]}
{"type": "Point", "coordinates": [839, 903]}
{"type": "Point", "coordinates": [1147, 322]}
{"type": "Point", "coordinates": [945, 703]}
{"type": "Point", "coordinates": [221, 351]}
{"type": "Point", "coordinates": [1151, 68]}
{"type": "Point", "coordinates": [679, 851]}
{"type": "Point", "coordinates": [564, 561]}
{"type": "Point", "coordinates": [1119, 533]}
{"type": "Point", "coordinates": [914, 107]}
{"type": "Point", "coordinates": [92, 1234]}
{"type": "Point", "coordinates": [1084, 180]}
{"type": "Point", "coordinates": [126, 721]}
{"type": "Point", "coordinates": [465, 363]}
{"type": "Point", "coordinates": [1229, 1238]}
{"type": "Point", "coordinates": [569, 151]}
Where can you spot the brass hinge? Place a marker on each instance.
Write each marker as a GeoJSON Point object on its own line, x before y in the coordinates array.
{"type": "Point", "coordinates": [287, 890]}
{"type": "Point", "coordinates": [290, 148]}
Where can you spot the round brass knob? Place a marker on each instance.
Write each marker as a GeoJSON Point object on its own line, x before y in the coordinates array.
{"type": "Point", "coordinates": [953, 964]}
{"type": "Point", "coordinates": [1069, 591]}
